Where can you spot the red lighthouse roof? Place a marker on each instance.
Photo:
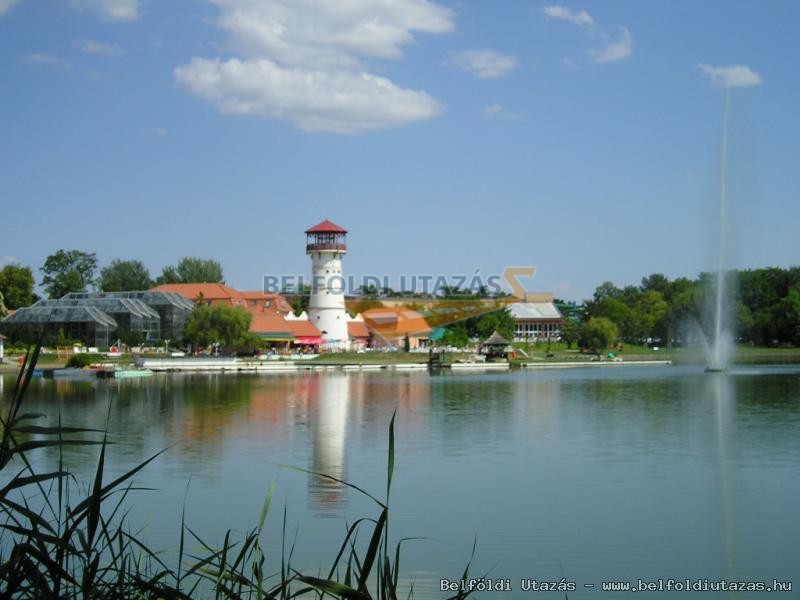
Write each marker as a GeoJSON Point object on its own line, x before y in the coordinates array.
{"type": "Point", "coordinates": [326, 227]}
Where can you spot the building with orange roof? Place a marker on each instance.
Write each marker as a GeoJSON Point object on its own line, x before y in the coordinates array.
{"type": "Point", "coordinates": [358, 331]}
{"type": "Point", "coordinates": [304, 332]}
{"type": "Point", "coordinates": [271, 328]}
{"type": "Point", "coordinates": [208, 293]}
{"type": "Point", "coordinates": [397, 325]}
{"type": "Point", "coordinates": [269, 303]}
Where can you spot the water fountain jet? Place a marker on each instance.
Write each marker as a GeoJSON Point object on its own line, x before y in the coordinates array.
{"type": "Point", "coordinates": [720, 345]}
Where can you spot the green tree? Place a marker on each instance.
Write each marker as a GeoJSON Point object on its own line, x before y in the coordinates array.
{"type": "Point", "coordinates": [648, 314]}
{"type": "Point", "coordinates": [124, 276]}
{"type": "Point", "coordinates": [598, 334]}
{"type": "Point", "coordinates": [570, 331]}
{"type": "Point", "coordinates": [790, 312]}
{"type": "Point", "coordinates": [656, 283]}
{"type": "Point", "coordinates": [3, 309]}
{"type": "Point", "coordinates": [16, 285]}
{"type": "Point", "coordinates": [169, 274]}
{"type": "Point", "coordinates": [607, 290]}
{"type": "Point", "coordinates": [616, 311]}
{"type": "Point", "coordinates": [191, 269]}
{"type": "Point", "coordinates": [218, 323]}
{"type": "Point", "coordinates": [68, 271]}
{"type": "Point", "coordinates": [456, 335]}
{"type": "Point", "coordinates": [497, 320]}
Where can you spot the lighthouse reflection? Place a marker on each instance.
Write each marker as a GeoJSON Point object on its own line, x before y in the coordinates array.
{"type": "Point", "coordinates": [328, 418]}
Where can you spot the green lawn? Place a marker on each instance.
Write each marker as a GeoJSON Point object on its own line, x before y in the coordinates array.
{"type": "Point", "coordinates": [745, 354]}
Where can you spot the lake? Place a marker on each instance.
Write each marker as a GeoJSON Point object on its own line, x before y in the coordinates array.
{"type": "Point", "coordinates": [593, 475]}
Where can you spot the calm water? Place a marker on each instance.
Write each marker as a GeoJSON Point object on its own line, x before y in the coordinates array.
{"type": "Point", "coordinates": [593, 475]}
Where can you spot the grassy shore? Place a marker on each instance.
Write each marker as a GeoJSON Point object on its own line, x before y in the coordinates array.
{"type": "Point", "coordinates": [537, 354]}
{"type": "Point", "coordinates": [629, 352]}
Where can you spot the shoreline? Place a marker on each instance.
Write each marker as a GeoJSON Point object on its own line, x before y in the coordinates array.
{"type": "Point", "coordinates": [229, 364]}
{"type": "Point", "coordinates": [232, 366]}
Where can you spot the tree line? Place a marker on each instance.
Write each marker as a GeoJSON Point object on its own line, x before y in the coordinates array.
{"type": "Point", "coordinates": [68, 271]}
{"type": "Point", "coordinates": [764, 306]}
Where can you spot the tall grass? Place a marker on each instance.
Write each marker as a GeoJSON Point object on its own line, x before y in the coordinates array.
{"type": "Point", "coordinates": [53, 545]}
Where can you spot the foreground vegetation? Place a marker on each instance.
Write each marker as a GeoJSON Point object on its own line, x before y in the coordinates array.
{"type": "Point", "coordinates": [56, 545]}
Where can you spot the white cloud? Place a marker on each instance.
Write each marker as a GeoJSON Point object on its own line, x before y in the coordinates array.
{"type": "Point", "coordinates": [6, 5]}
{"type": "Point", "coordinates": [605, 49]}
{"type": "Point", "coordinates": [99, 48]}
{"type": "Point", "coordinates": [498, 110]}
{"type": "Point", "coordinates": [569, 63]}
{"type": "Point", "coordinates": [161, 131]}
{"type": "Point", "coordinates": [316, 34]}
{"type": "Point", "coordinates": [304, 61]}
{"type": "Point", "coordinates": [622, 48]}
{"type": "Point", "coordinates": [733, 76]}
{"type": "Point", "coordinates": [319, 101]}
{"type": "Point", "coordinates": [47, 59]}
{"type": "Point", "coordinates": [112, 10]}
{"type": "Point", "coordinates": [484, 63]}
{"type": "Point", "coordinates": [581, 18]}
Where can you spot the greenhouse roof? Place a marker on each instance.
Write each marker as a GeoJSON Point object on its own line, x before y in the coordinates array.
{"type": "Point", "coordinates": [60, 314]}
{"type": "Point", "coordinates": [149, 297]}
{"type": "Point", "coordinates": [133, 306]}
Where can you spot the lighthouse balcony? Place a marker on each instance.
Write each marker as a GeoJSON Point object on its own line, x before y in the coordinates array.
{"type": "Point", "coordinates": [326, 247]}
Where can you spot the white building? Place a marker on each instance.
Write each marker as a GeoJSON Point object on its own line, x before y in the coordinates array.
{"type": "Point", "coordinates": [326, 245]}
{"type": "Point", "coordinates": [537, 319]}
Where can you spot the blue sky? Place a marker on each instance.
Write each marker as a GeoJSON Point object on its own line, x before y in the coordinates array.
{"type": "Point", "coordinates": [448, 137]}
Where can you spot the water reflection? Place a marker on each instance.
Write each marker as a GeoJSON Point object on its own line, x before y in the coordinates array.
{"type": "Point", "coordinates": [625, 473]}
{"type": "Point", "coordinates": [328, 411]}
{"type": "Point", "coordinates": [721, 393]}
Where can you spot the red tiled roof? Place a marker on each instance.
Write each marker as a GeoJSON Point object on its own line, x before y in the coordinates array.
{"type": "Point", "coordinates": [357, 329]}
{"type": "Point", "coordinates": [256, 295]}
{"type": "Point", "coordinates": [269, 324]}
{"type": "Point", "coordinates": [326, 227]}
{"type": "Point", "coordinates": [303, 328]}
{"type": "Point", "coordinates": [257, 302]}
{"type": "Point", "coordinates": [395, 321]}
{"type": "Point", "coordinates": [210, 292]}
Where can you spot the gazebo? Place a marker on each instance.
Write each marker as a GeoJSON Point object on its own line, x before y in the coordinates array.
{"type": "Point", "coordinates": [495, 346]}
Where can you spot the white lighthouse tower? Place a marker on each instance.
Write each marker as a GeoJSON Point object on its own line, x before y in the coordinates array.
{"type": "Point", "coordinates": [326, 244]}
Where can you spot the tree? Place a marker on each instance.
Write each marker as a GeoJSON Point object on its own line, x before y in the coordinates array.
{"type": "Point", "coordinates": [498, 320]}
{"type": "Point", "coordinates": [191, 269]}
{"type": "Point", "coordinates": [648, 315]}
{"type": "Point", "coordinates": [570, 331]}
{"type": "Point", "coordinates": [3, 309]}
{"type": "Point", "coordinates": [218, 323]}
{"type": "Point", "coordinates": [607, 290]}
{"type": "Point", "coordinates": [598, 334]}
{"type": "Point", "coordinates": [790, 312]}
{"type": "Point", "coordinates": [124, 276]}
{"type": "Point", "coordinates": [16, 285]}
{"type": "Point", "coordinates": [68, 271]}
{"type": "Point", "coordinates": [456, 335]}
{"type": "Point", "coordinates": [656, 283]}
{"type": "Point", "coordinates": [616, 311]}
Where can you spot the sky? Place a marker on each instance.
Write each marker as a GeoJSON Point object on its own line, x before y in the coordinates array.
{"type": "Point", "coordinates": [449, 138]}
